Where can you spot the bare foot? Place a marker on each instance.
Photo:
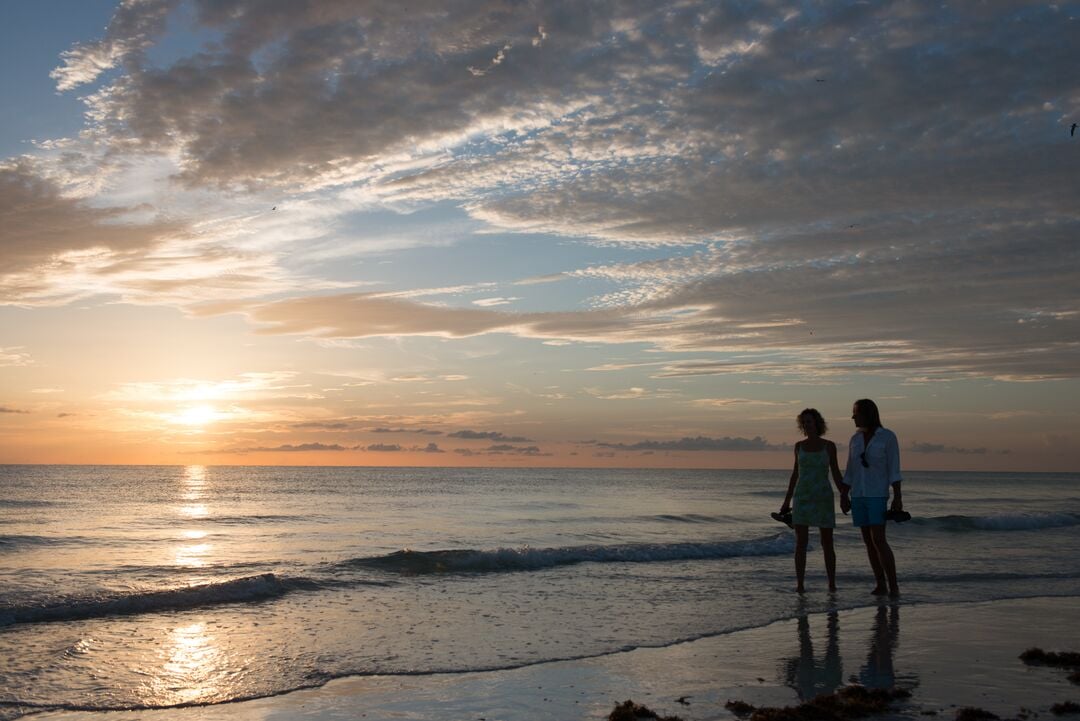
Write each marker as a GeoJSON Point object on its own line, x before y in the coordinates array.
{"type": "Point", "coordinates": [800, 589]}
{"type": "Point", "coordinates": [878, 591]}
{"type": "Point", "coordinates": [832, 589]}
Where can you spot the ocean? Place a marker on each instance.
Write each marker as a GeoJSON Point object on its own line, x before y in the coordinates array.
{"type": "Point", "coordinates": [129, 587]}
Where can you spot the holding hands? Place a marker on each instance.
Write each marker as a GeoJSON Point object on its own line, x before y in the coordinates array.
{"type": "Point", "coordinates": [845, 498]}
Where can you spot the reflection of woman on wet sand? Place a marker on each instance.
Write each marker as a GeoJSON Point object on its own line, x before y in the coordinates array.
{"type": "Point", "coordinates": [806, 674]}
{"type": "Point", "coordinates": [813, 496]}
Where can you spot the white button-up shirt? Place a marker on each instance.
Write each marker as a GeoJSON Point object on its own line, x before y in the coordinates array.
{"type": "Point", "coordinates": [883, 455]}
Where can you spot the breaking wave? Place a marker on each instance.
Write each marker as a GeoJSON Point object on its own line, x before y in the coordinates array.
{"type": "Point", "coordinates": [530, 559]}
{"type": "Point", "coordinates": [249, 588]}
{"type": "Point", "coordinates": [1005, 521]}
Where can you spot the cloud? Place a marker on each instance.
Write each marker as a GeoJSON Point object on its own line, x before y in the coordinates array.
{"type": "Point", "coordinates": [699, 443]}
{"type": "Point", "coordinates": [916, 220]}
{"type": "Point", "coordinates": [246, 385]}
{"type": "Point", "coordinates": [892, 309]}
{"type": "Point", "coordinates": [727, 402]}
{"type": "Point", "coordinates": [5, 409]}
{"type": "Point", "coordinates": [487, 435]}
{"type": "Point", "coordinates": [421, 431]}
{"type": "Point", "coordinates": [286, 448]}
{"type": "Point", "coordinates": [503, 449]}
{"type": "Point", "coordinates": [920, 447]}
{"type": "Point", "coordinates": [131, 30]}
{"type": "Point", "coordinates": [384, 447]}
{"type": "Point", "coordinates": [489, 302]}
{"type": "Point", "coordinates": [44, 232]}
{"type": "Point", "coordinates": [14, 357]}
{"type": "Point", "coordinates": [432, 448]}
{"type": "Point", "coordinates": [324, 425]}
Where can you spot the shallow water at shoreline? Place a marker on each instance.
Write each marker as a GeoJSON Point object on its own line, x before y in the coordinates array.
{"type": "Point", "coordinates": [158, 586]}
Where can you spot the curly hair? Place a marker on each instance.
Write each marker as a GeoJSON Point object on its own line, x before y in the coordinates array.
{"type": "Point", "coordinates": [819, 421]}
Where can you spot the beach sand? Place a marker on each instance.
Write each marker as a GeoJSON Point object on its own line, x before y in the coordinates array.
{"type": "Point", "coordinates": [949, 656]}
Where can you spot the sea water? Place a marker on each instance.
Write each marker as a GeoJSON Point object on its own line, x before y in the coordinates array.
{"type": "Point", "coordinates": [125, 587]}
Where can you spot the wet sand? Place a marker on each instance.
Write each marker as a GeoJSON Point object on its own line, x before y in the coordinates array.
{"type": "Point", "coordinates": [949, 656]}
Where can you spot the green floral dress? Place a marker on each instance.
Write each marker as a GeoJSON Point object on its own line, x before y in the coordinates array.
{"type": "Point", "coordinates": [813, 499]}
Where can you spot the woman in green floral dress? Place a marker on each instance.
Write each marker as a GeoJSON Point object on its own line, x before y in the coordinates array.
{"type": "Point", "coordinates": [812, 494]}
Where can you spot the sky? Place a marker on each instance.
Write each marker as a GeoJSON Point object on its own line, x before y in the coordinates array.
{"type": "Point", "coordinates": [530, 233]}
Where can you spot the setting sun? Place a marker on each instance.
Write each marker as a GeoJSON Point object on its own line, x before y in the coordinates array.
{"type": "Point", "coordinates": [196, 416]}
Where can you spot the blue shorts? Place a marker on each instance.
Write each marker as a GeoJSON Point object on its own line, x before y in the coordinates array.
{"type": "Point", "coordinates": [868, 511]}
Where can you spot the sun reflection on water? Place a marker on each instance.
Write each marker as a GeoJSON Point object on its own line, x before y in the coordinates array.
{"type": "Point", "coordinates": [193, 555]}
{"type": "Point", "coordinates": [190, 663]}
{"type": "Point", "coordinates": [194, 490]}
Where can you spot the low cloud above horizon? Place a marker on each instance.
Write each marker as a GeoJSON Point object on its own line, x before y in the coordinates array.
{"type": "Point", "coordinates": [652, 224]}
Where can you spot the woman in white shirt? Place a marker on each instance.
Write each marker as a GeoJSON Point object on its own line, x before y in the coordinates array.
{"type": "Point", "coordinates": [873, 467]}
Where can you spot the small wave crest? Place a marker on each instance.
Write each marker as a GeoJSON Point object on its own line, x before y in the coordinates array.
{"type": "Point", "coordinates": [531, 559]}
{"type": "Point", "coordinates": [248, 588]}
{"type": "Point", "coordinates": [684, 518]}
{"type": "Point", "coordinates": [18, 503]}
{"type": "Point", "coordinates": [1006, 521]}
{"type": "Point", "coordinates": [15, 542]}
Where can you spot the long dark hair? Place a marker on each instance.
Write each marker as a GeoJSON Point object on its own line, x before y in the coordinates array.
{"type": "Point", "coordinates": [870, 411]}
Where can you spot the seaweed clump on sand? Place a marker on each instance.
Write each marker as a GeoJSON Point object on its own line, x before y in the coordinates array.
{"type": "Point", "coordinates": [630, 711]}
{"type": "Point", "coordinates": [739, 708]}
{"type": "Point", "coordinates": [850, 702]}
{"type": "Point", "coordinates": [1069, 707]}
{"type": "Point", "coordinates": [974, 713]}
{"type": "Point", "coordinates": [1066, 659]}
{"type": "Point", "coordinates": [1038, 657]}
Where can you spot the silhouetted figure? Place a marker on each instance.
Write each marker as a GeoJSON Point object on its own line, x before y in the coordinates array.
{"type": "Point", "coordinates": [808, 675]}
{"type": "Point", "coordinates": [810, 489]}
{"type": "Point", "coordinates": [873, 466]}
{"type": "Point", "coordinates": [1072, 130]}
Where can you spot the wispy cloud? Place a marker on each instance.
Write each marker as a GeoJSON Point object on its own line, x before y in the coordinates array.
{"type": "Point", "coordinates": [14, 357]}
{"type": "Point", "coordinates": [132, 29]}
{"type": "Point", "coordinates": [699, 443]}
{"type": "Point", "coordinates": [421, 431]}
{"type": "Point", "coordinates": [923, 447]}
{"type": "Point", "coordinates": [285, 448]}
{"type": "Point", "coordinates": [503, 449]}
{"type": "Point", "coordinates": [487, 435]}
